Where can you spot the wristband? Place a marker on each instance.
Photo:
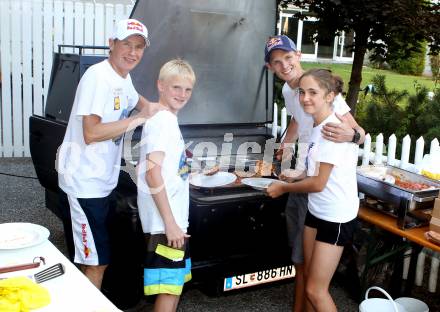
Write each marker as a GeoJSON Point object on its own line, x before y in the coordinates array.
{"type": "Point", "coordinates": [356, 136]}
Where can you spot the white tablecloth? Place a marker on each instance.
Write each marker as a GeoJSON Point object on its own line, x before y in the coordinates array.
{"type": "Point", "coordinates": [69, 292]}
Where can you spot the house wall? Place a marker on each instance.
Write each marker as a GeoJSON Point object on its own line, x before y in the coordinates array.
{"type": "Point", "coordinates": [333, 50]}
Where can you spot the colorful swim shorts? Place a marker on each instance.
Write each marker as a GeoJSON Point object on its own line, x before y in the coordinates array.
{"type": "Point", "coordinates": [166, 269]}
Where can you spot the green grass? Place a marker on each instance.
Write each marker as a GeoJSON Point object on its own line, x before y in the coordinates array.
{"type": "Point", "coordinates": [393, 80]}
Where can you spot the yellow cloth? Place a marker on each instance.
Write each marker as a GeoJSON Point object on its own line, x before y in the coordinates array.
{"type": "Point", "coordinates": [21, 294]}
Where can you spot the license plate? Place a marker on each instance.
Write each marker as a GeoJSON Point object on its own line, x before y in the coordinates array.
{"type": "Point", "coordinates": [261, 277]}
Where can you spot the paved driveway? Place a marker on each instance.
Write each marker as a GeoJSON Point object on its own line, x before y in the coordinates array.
{"type": "Point", "coordinates": [22, 200]}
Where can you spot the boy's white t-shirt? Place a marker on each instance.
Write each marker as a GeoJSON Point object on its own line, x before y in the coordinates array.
{"type": "Point", "coordinates": [174, 172]}
{"type": "Point", "coordinates": [338, 202]}
{"type": "Point", "coordinates": [92, 171]}
{"type": "Point", "coordinates": [304, 120]}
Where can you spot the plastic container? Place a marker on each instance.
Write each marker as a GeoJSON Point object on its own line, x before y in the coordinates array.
{"type": "Point", "coordinates": [412, 304]}
{"type": "Point", "coordinates": [380, 304]}
{"type": "Point", "coordinates": [431, 165]}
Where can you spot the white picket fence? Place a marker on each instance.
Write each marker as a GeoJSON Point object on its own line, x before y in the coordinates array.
{"type": "Point", "coordinates": [30, 30]}
{"type": "Point", "coordinates": [375, 152]}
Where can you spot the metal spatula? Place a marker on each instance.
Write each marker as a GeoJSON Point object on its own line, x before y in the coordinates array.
{"type": "Point", "coordinates": [49, 273]}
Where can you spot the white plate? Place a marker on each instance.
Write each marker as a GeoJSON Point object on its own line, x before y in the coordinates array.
{"type": "Point", "coordinates": [260, 184]}
{"type": "Point", "coordinates": [219, 179]}
{"type": "Point", "coordinates": [21, 235]}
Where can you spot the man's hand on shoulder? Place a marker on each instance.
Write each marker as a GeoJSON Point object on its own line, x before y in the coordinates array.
{"type": "Point", "coordinates": [338, 132]}
{"type": "Point", "coordinates": [146, 108]}
{"type": "Point", "coordinates": [150, 110]}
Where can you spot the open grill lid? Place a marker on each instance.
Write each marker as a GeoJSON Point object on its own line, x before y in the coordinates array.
{"type": "Point", "coordinates": [224, 42]}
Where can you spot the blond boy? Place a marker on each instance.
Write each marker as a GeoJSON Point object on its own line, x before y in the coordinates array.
{"type": "Point", "coordinates": [163, 190]}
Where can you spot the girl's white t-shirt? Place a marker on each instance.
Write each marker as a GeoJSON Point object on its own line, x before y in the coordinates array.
{"type": "Point", "coordinates": [305, 121]}
{"type": "Point", "coordinates": [339, 201]}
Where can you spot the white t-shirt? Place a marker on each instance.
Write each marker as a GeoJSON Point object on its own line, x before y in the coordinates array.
{"type": "Point", "coordinates": [338, 202]}
{"type": "Point", "coordinates": [174, 172]}
{"type": "Point", "coordinates": [305, 121]}
{"type": "Point", "coordinates": [92, 171]}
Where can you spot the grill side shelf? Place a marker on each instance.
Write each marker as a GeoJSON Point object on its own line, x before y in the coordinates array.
{"type": "Point", "coordinates": [228, 197]}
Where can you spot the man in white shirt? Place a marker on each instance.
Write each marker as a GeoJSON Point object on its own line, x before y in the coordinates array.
{"type": "Point", "coordinates": [88, 161]}
{"type": "Point", "coordinates": [283, 59]}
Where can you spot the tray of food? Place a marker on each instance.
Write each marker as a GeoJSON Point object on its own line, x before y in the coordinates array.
{"type": "Point", "coordinates": [399, 178]}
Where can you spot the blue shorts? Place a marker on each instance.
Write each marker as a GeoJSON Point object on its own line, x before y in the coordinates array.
{"type": "Point", "coordinates": [90, 219]}
{"type": "Point", "coordinates": [166, 269]}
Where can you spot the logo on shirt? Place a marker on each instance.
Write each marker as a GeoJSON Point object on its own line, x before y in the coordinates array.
{"type": "Point", "coordinates": [308, 157]}
{"type": "Point", "coordinates": [183, 171]}
{"type": "Point", "coordinates": [117, 93]}
{"type": "Point", "coordinates": [116, 103]}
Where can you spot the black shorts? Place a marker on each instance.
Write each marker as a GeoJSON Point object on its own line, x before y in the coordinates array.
{"type": "Point", "coordinates": [334, 233]}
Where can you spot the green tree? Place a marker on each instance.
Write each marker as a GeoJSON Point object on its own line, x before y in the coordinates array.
{"type": "Point", "coordinates": [407, 62]}
{"type": "Point", "coordinates": [375, 23]}
{"type": "Point", "coordinates": [435, 68]}
{"type": "Point", "coordinates": [429, 119]}
{"type": "Point", "coordinates": [381, 112]}
{"type": "Point", "coordinates": [415, 110]}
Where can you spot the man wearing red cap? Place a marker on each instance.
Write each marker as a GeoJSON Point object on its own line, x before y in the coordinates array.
{"type": "Point", "coordinates": [90, 156]}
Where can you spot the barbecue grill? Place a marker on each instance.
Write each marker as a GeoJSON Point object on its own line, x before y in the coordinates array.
{"type": "Point", "coordinates": [234, 229]}
{"type": "Point", "coordinates": [411, 207]}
